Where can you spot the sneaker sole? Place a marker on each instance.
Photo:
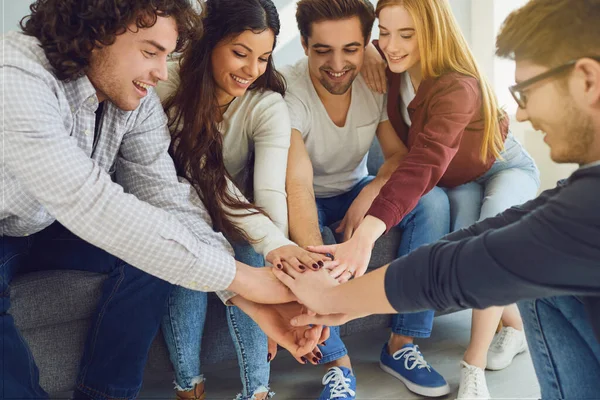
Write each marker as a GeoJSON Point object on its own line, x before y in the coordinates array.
{"type": "Point", "coordinates": [421, 390]}
{"type": "Point", "coordinates": [499, 367]}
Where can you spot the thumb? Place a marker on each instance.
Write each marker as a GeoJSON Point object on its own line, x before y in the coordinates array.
{"type": "Point", "coordinates": [323, 249]}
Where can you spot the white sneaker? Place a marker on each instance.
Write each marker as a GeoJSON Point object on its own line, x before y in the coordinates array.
{"type": "Point", "coordinates": [505, 346]}
{"type": "Point", "coordinates": [472, 383]}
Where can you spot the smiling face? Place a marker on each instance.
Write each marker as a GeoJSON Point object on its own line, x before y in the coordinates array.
{"type": "Point", "coordinates": [136, 61]}
{"type": "Point", "coordinates": [553, 109]}
{"type": "Point", "coordinates": [239, 61]}
{"type": "Point", "coordinates": [335, 51]}
{"type": "Point", "coordinates": [398, 39]}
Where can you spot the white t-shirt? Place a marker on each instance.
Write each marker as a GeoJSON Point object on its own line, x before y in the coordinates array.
{"type": "Point", "coordinates": [338, 154]}
{"type": "Point", "coordinates": [407, 94]}
{"type": "Point", "coordinates": [257, 122]}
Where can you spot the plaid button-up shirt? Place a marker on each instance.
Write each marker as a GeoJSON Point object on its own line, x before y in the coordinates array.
{"type": "Point", "coordinates": [51, 170]}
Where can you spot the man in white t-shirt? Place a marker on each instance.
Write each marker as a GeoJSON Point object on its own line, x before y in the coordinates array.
{"type": "Point", "coordinates": [335, 118]}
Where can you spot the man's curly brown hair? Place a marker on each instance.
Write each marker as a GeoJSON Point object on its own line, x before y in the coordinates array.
{"type": "Point", "coordinates": [68, 30]}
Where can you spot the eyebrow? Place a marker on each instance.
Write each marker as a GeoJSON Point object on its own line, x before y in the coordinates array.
{"type": "Point", "coordinates": [401, 30]}
{"type": "Point", "coordinates": [155, 44]}
{"type": "Point", "coordinates": [249, 49]}
{"type": "Point", "coordinates": [326, 46]}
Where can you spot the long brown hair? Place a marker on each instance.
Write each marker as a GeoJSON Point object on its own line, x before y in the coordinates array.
{"type": "Point", "coordinates": [197, 144]}
{"type": "Point", "coordinates": [444, 49]}
{"type": "Point", "coordinates": [68, 30]}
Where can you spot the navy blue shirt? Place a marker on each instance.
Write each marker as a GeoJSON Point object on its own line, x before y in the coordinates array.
{"type": "Point", "coordinates": [549, 246]}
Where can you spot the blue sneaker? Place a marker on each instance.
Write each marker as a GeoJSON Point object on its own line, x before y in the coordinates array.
{"type": "Point", "coordinates": [339, 383]}
{"type": "Point", "coordinates": [408, 365]}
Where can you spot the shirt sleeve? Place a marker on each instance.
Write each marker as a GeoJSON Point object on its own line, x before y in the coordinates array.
{"type": "Point", "coordinates": [271, 132]}
{"type": "Point", "coordinates": [145, 169]}
{"type": "Point", "coordinates": [46, 160]}
{"type": "Point", "coordinates": [258, 226]}
{"type": "Point", "coordinates": [430, 155]}
{"type": "Point", "coordinates": [384, 113]}
{"type": "Point", "coordinates": [299, 114]}
{"type": "Point", "coordinates": [550, 251]}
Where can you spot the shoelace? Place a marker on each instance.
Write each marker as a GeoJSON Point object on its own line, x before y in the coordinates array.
{"type": "Point", "coordinates": [339, 385]}
{"type": "Point", "coordinates": [472, 382]}
{"type": "Point", "coordinates": [505, 337]}
{"type": "Point", "coordinates": [412, 354]}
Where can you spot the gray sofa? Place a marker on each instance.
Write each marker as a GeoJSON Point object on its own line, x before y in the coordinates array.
{"type": "Point", "coordinates": [52, 310]}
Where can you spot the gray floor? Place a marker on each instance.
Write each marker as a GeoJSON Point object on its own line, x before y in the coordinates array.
{"type": "Point", "coordinates": [443, 350]}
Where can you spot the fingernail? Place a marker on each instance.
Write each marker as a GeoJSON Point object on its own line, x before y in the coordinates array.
{"type": "Point", "coordinates": [302, 267]}
{"type": "Point", "coordinates": [330, 256]}
{"type": "Point", "coordinates": [315, 266]}
{"type": "Point", "coordinates": [294, 322]}
{"type": "Point", "coordinates": [320, 263]}
{"type": "Point", "coordinates": [269, 358]}
{"type": "Point", "coordinates": [319, 355]}
{"type": "Point", "coordinates": [304, 359]}
{"type": "Point", "coordinates": [324, 343]}
{"type": "Point", "coordinates": [279, 266]}
{"type": "Point", "coordinates": [315, 360]}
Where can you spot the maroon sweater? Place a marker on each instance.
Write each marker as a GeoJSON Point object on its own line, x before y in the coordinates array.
{"type": "Point", "coordinates": [444, 142]}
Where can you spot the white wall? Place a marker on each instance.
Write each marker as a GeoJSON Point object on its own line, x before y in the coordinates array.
{"type": "Point", "coordinates": [12, 11]}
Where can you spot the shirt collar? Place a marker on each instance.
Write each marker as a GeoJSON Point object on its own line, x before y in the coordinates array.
{"type": "Point", "coordinates": [81, 93]}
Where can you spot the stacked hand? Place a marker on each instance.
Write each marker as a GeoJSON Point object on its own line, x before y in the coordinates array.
{"type": "Point", "coordinates": [351, 258]}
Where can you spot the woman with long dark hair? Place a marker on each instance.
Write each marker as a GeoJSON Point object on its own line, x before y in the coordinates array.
{"type": "Point", "coordinates": [228, 117]}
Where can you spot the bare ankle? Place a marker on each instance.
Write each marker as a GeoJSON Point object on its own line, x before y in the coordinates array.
{"type": "Point", "coordinates": [197, 393]}
{"type": "Point", "coordinates": [340, 362]}
{"type": "Point", "coordinates": [475, 360]}
{"type": "Point", "coordinates": [396, 342]}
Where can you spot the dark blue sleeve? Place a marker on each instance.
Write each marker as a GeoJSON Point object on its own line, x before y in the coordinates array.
{"type": "Point", "coordinates": [552, 250]}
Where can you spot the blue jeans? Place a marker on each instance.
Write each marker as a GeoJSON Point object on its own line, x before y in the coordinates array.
{"type": "Point", "coordinates": [428, 222]}
{"type": "Point", "coordinates": [123, 326]}
{"type": "Point", "coordinates": [183, 327]}
{"type": "Point", "coordinates": [512, 180]}
{"type": "Point", "coordinates": [564, 350]}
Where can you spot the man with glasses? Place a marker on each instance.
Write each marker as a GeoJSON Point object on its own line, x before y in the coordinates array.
{"type": "Point", "coordinates": [544, 253]}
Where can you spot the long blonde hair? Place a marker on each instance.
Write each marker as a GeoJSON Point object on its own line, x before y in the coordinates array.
{"type": "Point", "coordinates": [444, 49]}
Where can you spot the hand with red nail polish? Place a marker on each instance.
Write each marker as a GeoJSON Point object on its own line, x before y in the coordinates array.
{"type": "Point", "coordinates": [292, 256]}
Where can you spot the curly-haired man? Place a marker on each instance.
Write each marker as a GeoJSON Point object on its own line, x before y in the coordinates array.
{"type": "Point", "coordinates": [88, 184]}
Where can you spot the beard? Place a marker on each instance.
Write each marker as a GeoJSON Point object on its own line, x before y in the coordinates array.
{"type": "Point", "coordinates": [338, 88]}
{"type": "Point", "coordinates": [105, 78]}
{"type": "Point", "coordinates": [579, 128]}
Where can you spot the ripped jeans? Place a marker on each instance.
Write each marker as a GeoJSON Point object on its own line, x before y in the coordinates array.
{"type": "Point", "coordinates": [183, 327]}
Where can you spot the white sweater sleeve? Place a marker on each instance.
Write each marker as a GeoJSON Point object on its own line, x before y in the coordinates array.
{"type": "Point", "coordinates": [271, 132]}
{"type": "Point", "coordinates": [257, 226]}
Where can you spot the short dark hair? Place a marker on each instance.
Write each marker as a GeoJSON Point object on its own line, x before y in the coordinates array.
{"type": "Point", "coordinates": [311, 11]}
{"type": "Point", "coordinates": [68, 30]}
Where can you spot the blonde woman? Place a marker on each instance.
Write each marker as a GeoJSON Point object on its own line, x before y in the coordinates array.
{"type": "Point", "coordinates": [446, 113]}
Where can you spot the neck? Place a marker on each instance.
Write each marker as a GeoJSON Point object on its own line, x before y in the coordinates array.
{"type": "Point", "coordinates": [415, 75]}
{"type": "Point", "coordinates": [223, 101]}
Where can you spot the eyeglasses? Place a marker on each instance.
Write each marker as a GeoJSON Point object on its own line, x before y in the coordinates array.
{"type": "Point", "coordinates": [517, 90]}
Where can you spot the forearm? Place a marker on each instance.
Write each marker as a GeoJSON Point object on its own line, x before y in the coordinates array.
{"type": "Point", "coordinates": [303, 217]}
{"type": "Point", "coordinates": [369, 230]}
{"type": "Point", "coordinates": [373, 300]}
{"type": "Point", "coordinates": [387, 169]}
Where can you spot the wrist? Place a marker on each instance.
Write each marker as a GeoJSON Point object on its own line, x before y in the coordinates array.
{"type": "Point", "coordinates": [370, 229]}
{"type": "Point", "coordinates": [242, 280]}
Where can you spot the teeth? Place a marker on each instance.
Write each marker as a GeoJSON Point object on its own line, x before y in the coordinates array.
{"type": "Point", "coordinates": [143, 85]}
{"type": "Point", "coordinates": [397, 58]}
{"type": "Point", "coordinates": [240, 80]}
{"type": "Point", "coordinates": [338, 74]}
